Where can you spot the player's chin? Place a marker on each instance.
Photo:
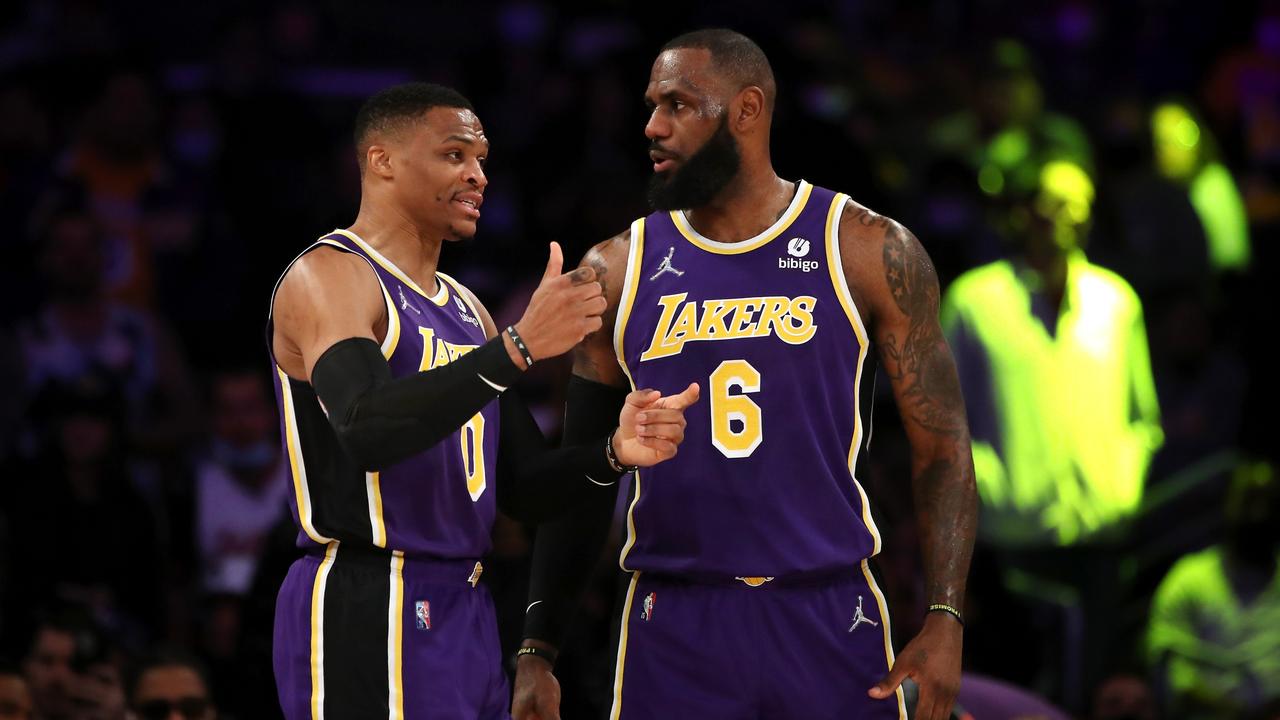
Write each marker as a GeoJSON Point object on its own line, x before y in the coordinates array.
{"type": "Point", "coordinates": [462, 230]}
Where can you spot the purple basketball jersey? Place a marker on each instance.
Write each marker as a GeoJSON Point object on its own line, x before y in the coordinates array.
{"type": "Point", "coordinates": [764, 484]}
{"type": "Point", "coordinates": [439, 502]}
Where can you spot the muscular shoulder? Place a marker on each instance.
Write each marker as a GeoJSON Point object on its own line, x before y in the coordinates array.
{"type": "Point", "coordinates": [594, 358]}
{"type": "Point", "coordinates": [884, 264]}
{"type": "Point", "coordinates": [609, 260]}
{"type": "Point", "coordinates": [327, 274]}
{"type": "Point", "coordinates": [326, 296]}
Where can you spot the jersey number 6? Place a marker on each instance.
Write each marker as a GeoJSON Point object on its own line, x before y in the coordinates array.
{"type": "Point", "coordinates": [727, 408]}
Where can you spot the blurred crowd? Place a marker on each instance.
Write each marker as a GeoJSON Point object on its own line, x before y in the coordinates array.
{"type": "Point", "coordinates": [1097, 183]}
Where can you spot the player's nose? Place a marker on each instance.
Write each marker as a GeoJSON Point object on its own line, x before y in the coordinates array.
{"type": "Point", "coordinates": [657, 127]}
{"type": "Point", "coordinates": [475, 176]}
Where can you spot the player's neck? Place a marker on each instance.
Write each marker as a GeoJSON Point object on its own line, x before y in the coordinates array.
{"type": "Point", "coordinates": [412, 249]}
{"type": "Point", "coordinates": [746, 207]}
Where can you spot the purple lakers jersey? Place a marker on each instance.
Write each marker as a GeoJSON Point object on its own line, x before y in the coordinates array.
{"type": "Point", "coordinates": [764, 483]}
{"type": "Point", "coordinates": [439, 502]}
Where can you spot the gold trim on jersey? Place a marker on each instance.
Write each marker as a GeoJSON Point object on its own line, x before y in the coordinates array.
{"type": "Point", "coordinates": [392, 340]}
{"type": "Point", "coordinates": [317, 631]}
{"type": "Point", "coordinates": [442, 293]}
{"type": "Point", "coordinates": [297, 466]}
{"type": "Point", "coordinates": [622, 649]}
{"type": "Point", "coordinates": [377, 525]}
{"type": "Point", "coordinates": [682, 224]}
{"type": "Point", "coordinates": [395, 639]}
{"type": "Point", "coordinates": [461, 292]}
{"type": "Point", "coordinates": [886, 632]}
{"type": "Point", "coordinates": [630, 286]}
{"type": "Point", "coordinates": [841, 286]}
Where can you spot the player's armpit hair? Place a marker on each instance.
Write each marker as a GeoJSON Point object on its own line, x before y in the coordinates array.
{"type": "Point", "coordinates": [537, 483]}
{"type": "Point", "coordinates": [566, 550]}
{"type": "Point", "coordinates": [381, 421]}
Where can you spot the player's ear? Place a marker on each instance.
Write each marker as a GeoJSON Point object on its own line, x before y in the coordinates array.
{"type": "Point", "coordinates": [378, 160]}
{"type": "Point", "coordinates": [748, 108]}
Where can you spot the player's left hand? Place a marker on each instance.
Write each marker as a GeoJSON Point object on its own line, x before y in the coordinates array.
{"type": "Point", "coordinates": [932, 659]}
{"type": "Point", "coordinates": [651, 426]}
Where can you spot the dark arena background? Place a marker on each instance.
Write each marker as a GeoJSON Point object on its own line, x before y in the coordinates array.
{"type": "Point", "coordinates": [161, 163]}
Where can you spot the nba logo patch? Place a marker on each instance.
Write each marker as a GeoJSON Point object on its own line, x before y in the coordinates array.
{"type": "Point", "coordinates": [646, 611]}
{"type": "Point", "coordinates": [422, 613]}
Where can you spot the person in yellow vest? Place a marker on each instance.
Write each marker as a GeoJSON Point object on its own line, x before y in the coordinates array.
{"type": "Point", "coordinates": [1053, 361]}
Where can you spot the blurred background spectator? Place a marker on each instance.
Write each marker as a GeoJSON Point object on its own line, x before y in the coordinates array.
{"type": "Point", "coordinates": [1214, 634]}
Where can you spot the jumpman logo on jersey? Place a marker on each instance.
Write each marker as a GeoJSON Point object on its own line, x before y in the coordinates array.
{"type": "Point", "coordinates": [404, 302]}
{"type": "Point", "coordinates": [666, 266]}
{"type": "Point", "coordinates": [859, 618]}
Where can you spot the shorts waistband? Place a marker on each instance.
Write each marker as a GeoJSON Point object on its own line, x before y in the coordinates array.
{"type": "Point", "coordinates": [424, 568]}
{"type": "Point", "coordinates": [814, 578]}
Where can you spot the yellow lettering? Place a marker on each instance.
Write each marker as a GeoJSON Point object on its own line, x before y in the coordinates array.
{"type": "Point", "coordinates": [771, 316]}
{"type": "Point", "coordinates": [658, 347]}
{"type": "Point", "coordinates": [428, 344]}
{"type": "Point", "coordinates": [799, 328]}
{"type": "Point", "coordinates": [744, 321]}
{"type": "Point", "coordinates": [437, 352]}
{"type": "Point", "coordinates": [713, 325]}
{"type": "Point", "coordinates": [679, 322]}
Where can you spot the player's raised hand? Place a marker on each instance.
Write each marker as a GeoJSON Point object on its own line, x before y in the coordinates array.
{"type": "Point", "coordinates": [651, 426]}
{"type": "Point", "coordinates": [932, 659]}
{"type": "Point", "coordinates": [564, 309]}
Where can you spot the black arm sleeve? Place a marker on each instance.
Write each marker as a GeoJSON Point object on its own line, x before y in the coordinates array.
{"type": "Point", "coordinates": [381, 421]}
{"type": "Point", "coordinates": [537, 483]}
{"type": "Point", "coordinates": [565, 552]}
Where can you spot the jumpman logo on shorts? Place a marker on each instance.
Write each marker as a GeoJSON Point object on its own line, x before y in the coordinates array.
{"type": "Point", "coordinates": [666, 266]}
{"type": "Point", "coordinates": [859, 618]}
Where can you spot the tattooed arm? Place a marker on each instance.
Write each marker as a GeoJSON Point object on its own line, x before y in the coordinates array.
{"type": "Point", "coordinates": [896, 290]}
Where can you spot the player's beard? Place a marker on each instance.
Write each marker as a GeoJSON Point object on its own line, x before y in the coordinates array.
{"type": "Point", "coordinates": [703, 176]}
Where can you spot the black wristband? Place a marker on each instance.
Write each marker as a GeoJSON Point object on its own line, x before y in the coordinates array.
{"type": "Point", "coordinates": [520, 347]}
{"type": "Point", "coordinates": [943, 607]}
{"type": "Point", "coordinates": [543, 653]}
{"type": "Point", "coordinates": [612, 457]}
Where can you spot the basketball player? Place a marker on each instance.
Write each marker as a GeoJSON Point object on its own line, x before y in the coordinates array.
{"type": "Point", "coordinates": [750, 593]}
{"type": "Point", "coordinates": [388, 378]}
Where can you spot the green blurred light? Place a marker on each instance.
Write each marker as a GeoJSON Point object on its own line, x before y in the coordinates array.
{"type": "Point", "coordinates": [1009, 148]}
{"type": "Point", "coordinates": [1218, 203]}
{"type": "Point", "coordinates": [990, 179]}
{"type": "Point", "coordinates": [1176, 136]}
{"type": "Point", "coordinates": [1011, 54]}
{"type": "Point", "coordinates": [1066, 193]}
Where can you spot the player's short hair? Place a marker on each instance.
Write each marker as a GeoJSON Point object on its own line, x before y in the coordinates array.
{"type": "Point", "coordinates": [734, 55]}
{"type": "Point", "coordinates": [389, 109]}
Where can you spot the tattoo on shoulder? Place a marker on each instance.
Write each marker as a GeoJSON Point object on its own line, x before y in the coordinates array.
{"type": "Point", "coordinates": [920, 362]}
{"type": "Point", "coordinates": [909, 272]}
{"type": "Point", "coordinates": [868, 218]}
